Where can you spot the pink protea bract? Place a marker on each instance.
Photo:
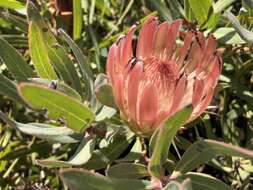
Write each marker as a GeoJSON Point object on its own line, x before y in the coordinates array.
{"type": "Point", "coordinates": [169, 70]}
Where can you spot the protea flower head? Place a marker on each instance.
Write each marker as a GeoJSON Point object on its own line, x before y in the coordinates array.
{"type": "Point", "coordinates": [170, 70]}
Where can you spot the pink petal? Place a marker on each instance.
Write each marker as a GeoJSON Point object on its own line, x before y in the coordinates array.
{"type": "Point", "coordinates": [110, 63]}
{"type": "Point", "coordinates": [145, 40]}
{"type": "Point", "coordinates": [213, 75]}
{"type": "Point", "coordinates": [210, 47]}
{"type": "Point", "coordinates": [197, 92]}
{"type": "Point", "coordinates": [148, 107]}
{"type": "Point", "coordinates": [127, 50]}
{"type": "Point", "coordinates": [202, 105]}
{"type": "Point", "coordinates": [133, 81]}
{"type": "Point", "coordinates": [119, 61]}
{"type": "Point", "coordinates": [161, 38]}
{"type": "Point", "coordinates": [208, 54]}
{"type": "Point", "coordinates": [179, 93]}
{"type": "Point", "coordinates": [215, 72]}
{"type": "Point", "coordinates": [194, 57]}
{"type": "Point", "coordinates": [172, 35]}
{"type": "Point", "coordinates": [118, 91]}
{"type": "Point", "coordinates": [187, 99]}
{"type": "Point", "coordinates": [201, 39]}
{"type": "Point", "coordinates": [161, 117]}
{"type": "Point", "coordinates": [185, 49]}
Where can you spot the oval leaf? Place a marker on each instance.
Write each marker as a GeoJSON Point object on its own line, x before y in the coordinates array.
{"type": "Point", "coordinates": [84, 67]}
{"type": "Point", "coordinates": [57, 85]}
{"type": "Point", "coordinates": [18, 21]}
{"type": "Point", "coordinates": [205, 150]}
{"type": "Point", "coordinates": [128, 170]}
{"type": "Point", "coordinates": [108, 154]}
{"type": "Point", "coordinates": [82, 155]}
{"type": "Point", "coordinates": [77, 19]}
{"type": "Point", "coordinates": [136, 153]}
{"type": "Point", "coordinates": [12, 4]}
{"type": "Point", "coordinates": [222, 5]}
{"type": "Point", "coordinates": [38, 52]}
{"type": "Point", "coordinates": [201, 10]}
{"type": "Point", "coordinates": [77, 179]}
{"type": "Point", "coordinates": [9, 89]}
{"type": "Point", "coordinates": [243, 32]}
{"type": "Point", "coordinates": [57, 54]}
{"type": "Point", "coordinates": [105, 113]}
{"type": "Point", "coordinates": [104, 91]}
{"type": "Point", "coordinates": [15, 62]}
{"type": "Point", "coordinates": [228, 35]}
{"type": "Point", "coordinates": [164, 138]}
{"type": "Point", "coordinates": [17, 41]}
{"type": "Point", "coordinates": [204, 181]}
{"type": "Point", "coordinates": [174, 185]}
{"type": "Point", "coordinates": [43, 131]}
{"type": "Point", "coordinates": [59, 105]}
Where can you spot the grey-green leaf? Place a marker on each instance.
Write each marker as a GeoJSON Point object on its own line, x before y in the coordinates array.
{"type": "Point", "coordinates": [18, 21]}
{"type": "Point", "coordinates": [105, 113]}
{"type": "Point", "coordinates": [83, 64]}
{"type": "Point", "coordinates": [9, 89]}
{"type": "Point", "coordinates": [175, 185]}
{"type": "Point", "coordinates": [12, 4]}
{"type": "Point", "coordinates": [77, 19]}
{"type": "Point", "coordinates": [44, 131]}
{"type": "Point", "coordinates": [15, 62]}
{"type": "Point", "coordinates": [201, 10]}
{"type": "Point", "coordinates": [204, 181]}
{"type": "Point", "coordinates": [228, 35]}
{"type": "Point", "coordinates": [188, 11]}
{"type": "Point", "coordinates": [162, 9]}
{"type": "Point", "coordinates": [136, 153]}
{"type": "Point", "coordinates": [221, 5]}
{"type": "Point", "coordinates": [108, 154]}
{"type": "Point", "coordinates": [249, 3]}
{"type": "Point", "coordinates": [205, 150]}
{"type": "Point", "coordinates": [243, 32]}
{"type": "Point", "coordinates": [81, 156]}
{"type": "Point", "coordinates": [164, 138]}
{"type": "Point", "coordinates": [58, 85]}
{"type": "Point", "coordinates": [177, 7]}
{"type": "Point", "coordinates": [38, 52]}
{"type": "Point", "coordinates": [128, 170]}
{"type": "Point", "coordinates": [104, 91]}
{"type": "Point", "coordinates": [56, 53]}
{"type": "Point", "coordinates": [77, 179]}
{"type": "Point", "coordinates": [17, 41]}
{"type": "Point", "coordinates": [59, 105]}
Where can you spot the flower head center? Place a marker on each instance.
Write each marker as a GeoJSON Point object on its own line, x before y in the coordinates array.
{"type": "Point", "coordinates": [161, 73]}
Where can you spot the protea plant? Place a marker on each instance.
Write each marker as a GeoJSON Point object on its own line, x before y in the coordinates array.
{"type": "Point", "coordinates": [168, 70]}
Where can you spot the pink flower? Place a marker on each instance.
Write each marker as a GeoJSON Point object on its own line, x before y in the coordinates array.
{"type": "Point", "coordinates": [170, 70]}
